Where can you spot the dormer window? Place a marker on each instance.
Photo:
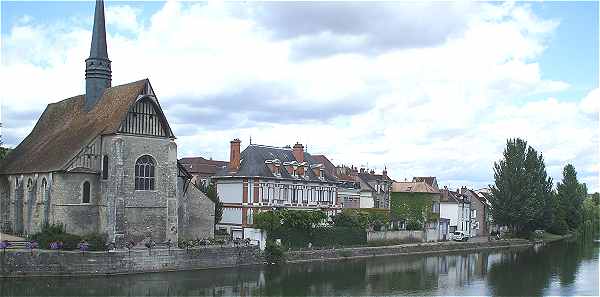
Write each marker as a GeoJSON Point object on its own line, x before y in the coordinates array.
{"type": "Point", "coordinates": [274, 166]}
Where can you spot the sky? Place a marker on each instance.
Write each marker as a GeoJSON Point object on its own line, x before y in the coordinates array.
{"type": "Point", "coordinates": [422, 88]}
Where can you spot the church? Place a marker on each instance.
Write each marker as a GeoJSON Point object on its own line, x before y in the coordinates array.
{"type": "Point", "coordinates": [103, 162]}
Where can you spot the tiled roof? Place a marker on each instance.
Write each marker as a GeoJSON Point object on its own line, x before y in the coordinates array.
{"type": "Point", "coordinates": [65, 128]}
{"type": "Point", "coordinates": [327, 165]}
{"type": "Point", "coordinates": [452, 197]}
{"type": "Point", "coordinates": [366, 176]}
{"type": "Point", "coordinates": [253, 164]}
{"type": "Point", "coordinates": [202, 167]}
{"type": "Point", "coordinates": [430, 180]}
{"type": "Point", "coordinates": [413, 187]}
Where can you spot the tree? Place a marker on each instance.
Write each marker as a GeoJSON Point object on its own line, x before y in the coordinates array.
{"type": "Point", "coordinates": [3, 150]}
{"type": "Point", "coordinates": [596, 198]}
{"type": "Point", "coordinates": [522, 194]}
{"type": "Point", "coordinates": [571, 194]}
{"type": "Point", "coordinates": [210, 190]}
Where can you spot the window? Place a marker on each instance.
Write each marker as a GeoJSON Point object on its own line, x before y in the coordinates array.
{"type": "Point", "coordinates": [85, 192]}
{"type": "Point", "coordinates": [44, 188]}
{"type": "Point", "coordinates": [294, 195]}
{"type": "Point", "coordinates": [105, 167]}
{"type": "Point", "coordinates": [144, 173]}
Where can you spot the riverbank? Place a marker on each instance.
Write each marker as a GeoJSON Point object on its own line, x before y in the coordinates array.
{"type": "Point", "coordinates": [71, 263]}
{"type": "Point", "coordinates": [399, 250]}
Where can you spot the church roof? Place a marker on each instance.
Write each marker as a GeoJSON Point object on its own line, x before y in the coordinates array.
{"type": "Point", "coordinates": [64, 128]}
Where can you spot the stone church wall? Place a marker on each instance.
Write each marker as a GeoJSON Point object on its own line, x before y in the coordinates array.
{"type": "Point", "coordinates": [66, 194]}
{"type": "Point", "coordinates": [141, 214]}
{"type": "Point", "coordinates": [196, 213]}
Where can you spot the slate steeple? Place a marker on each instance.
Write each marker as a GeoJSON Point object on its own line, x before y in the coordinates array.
{"type": "Point", "coordinates": [97, 66]}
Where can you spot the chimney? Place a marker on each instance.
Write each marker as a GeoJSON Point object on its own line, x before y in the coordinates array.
{"type": "Point", "coordinates": [385, 171]}
{"type": "Point", "coordinates": [298, 152]}
{"type": "Point", "coordinates": [463, 190]}
{"type": "Point", "coordinates": [234, 155]}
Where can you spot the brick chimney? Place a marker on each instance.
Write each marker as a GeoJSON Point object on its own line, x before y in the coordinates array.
{"type": "Point", "coordinates": [298, 152]}
{"type": "Point", "coordinates": [234, 155]}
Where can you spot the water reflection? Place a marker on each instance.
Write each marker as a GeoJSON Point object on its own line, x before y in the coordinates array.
{"type": "Point", "coordinates": [567, 268]}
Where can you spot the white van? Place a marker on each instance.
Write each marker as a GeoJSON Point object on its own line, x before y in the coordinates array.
{"type": "Point", "coordinates": [460, 236]}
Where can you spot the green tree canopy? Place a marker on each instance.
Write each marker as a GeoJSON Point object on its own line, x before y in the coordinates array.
{"type": "Point", "coordinates": [3, 150]}
{"type": "Point", "coordinates": [522, 194]}
{"type": "Point", "coordinates": [571, 194]}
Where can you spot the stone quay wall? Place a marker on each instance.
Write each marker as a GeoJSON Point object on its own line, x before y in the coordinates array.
{"type": "Point", "coordinates": [404, 249]}
{"type": "Point", "coordinates": [64, 263]}
{"type": "Point", "coordinates": [71, 263]}
{"type": "Point", "coordinates": [404, 235]}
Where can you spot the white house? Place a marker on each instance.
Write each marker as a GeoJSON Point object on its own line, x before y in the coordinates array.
{"type": "Point", "coordinates": [457, 208]}
{"type": "Point", "coordinates": [265, 178]}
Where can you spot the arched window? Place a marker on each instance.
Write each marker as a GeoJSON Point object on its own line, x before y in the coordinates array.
{"type": "Point", "coordinates": [144, 173]}
{"type": "Point", "coordinates": [29, 185]}
{"type": "Point", "coordinates": [44, 188]}
{"type": "Point", "coordinates": [105, 167]}
{"type": "Point", "coordinates": [85, 192]}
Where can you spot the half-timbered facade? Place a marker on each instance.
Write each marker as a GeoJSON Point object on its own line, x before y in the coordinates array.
{"type": "Point", "coordinates": [103, 162]}
{"type": "Point", "coordinates": [265, 178]}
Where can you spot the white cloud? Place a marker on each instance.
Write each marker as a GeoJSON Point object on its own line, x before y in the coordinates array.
{"type": "Point", "coordinates": [591, 103]}
{"type": "Point", "coordinates": [443, 108]}
{"type": "Point", "coordinates": [123, 17]}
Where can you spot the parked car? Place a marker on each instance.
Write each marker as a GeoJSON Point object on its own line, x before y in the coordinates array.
{"type": "Point", "coordinates": [460, 236]}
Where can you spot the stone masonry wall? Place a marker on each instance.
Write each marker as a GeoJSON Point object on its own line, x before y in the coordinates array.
{"type": "Point", "coordinates": [53, 263]}
{"type": "Point", "coordinates": [133, 214]}
{"type": "Point", "coordinates": [78, 218]}
{"type": "Point", "coordinates": [404, 235]}
{"type": "Point", "coordinates": [331, 254]}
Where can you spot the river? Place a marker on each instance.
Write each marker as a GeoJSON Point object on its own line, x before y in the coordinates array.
{"type": "Point", "coordinates": [561, 268]}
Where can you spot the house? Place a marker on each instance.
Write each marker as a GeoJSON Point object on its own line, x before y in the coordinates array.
{"type": "Point", "coordinates": [103, 162]}
{"type": "Point", "coordinates": [327, 164]}
{"type": "Point", "coordinates": [202, 169]}
{"type": "Point", "coordinates": [417, 203]}
{"type": "Point", "coordinates": [456, 207]}
{"type": "Point", "coordinates": [480, 212]}
{"type": "Point", "coordinates": [265, 177]}
{"type": "Point", "coordinates": [353, 191]}
{"type": "Point", "coordinates": [378, 185]}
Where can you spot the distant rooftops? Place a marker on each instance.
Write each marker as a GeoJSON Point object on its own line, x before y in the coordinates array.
{"type": "Point", "coordinates": [202, 167]}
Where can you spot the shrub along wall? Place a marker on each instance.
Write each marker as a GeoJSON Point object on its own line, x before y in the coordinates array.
{"type": "Point", "coordinates": [321, 237]}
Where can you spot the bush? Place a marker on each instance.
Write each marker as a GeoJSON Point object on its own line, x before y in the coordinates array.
{"type": "Point", "coordinates": [559, 227]}
{"type": "Point", "coordinates": [96, 241]}
{"type": "Point", "coordinates": [338, 236]}
{"type": "Point", "coordinates": [274, 253]}
{"type": "Point", "coordinates": [56, 232]}
{"type": "Point", "coordinates": [413, 225]}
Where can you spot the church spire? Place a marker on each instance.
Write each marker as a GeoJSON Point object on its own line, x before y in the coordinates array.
{"type": "Point", "coordinates": [97, 66]}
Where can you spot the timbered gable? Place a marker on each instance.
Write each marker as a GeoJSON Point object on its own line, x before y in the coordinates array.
{"type": "Point", "coordinates": [88, 159]}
